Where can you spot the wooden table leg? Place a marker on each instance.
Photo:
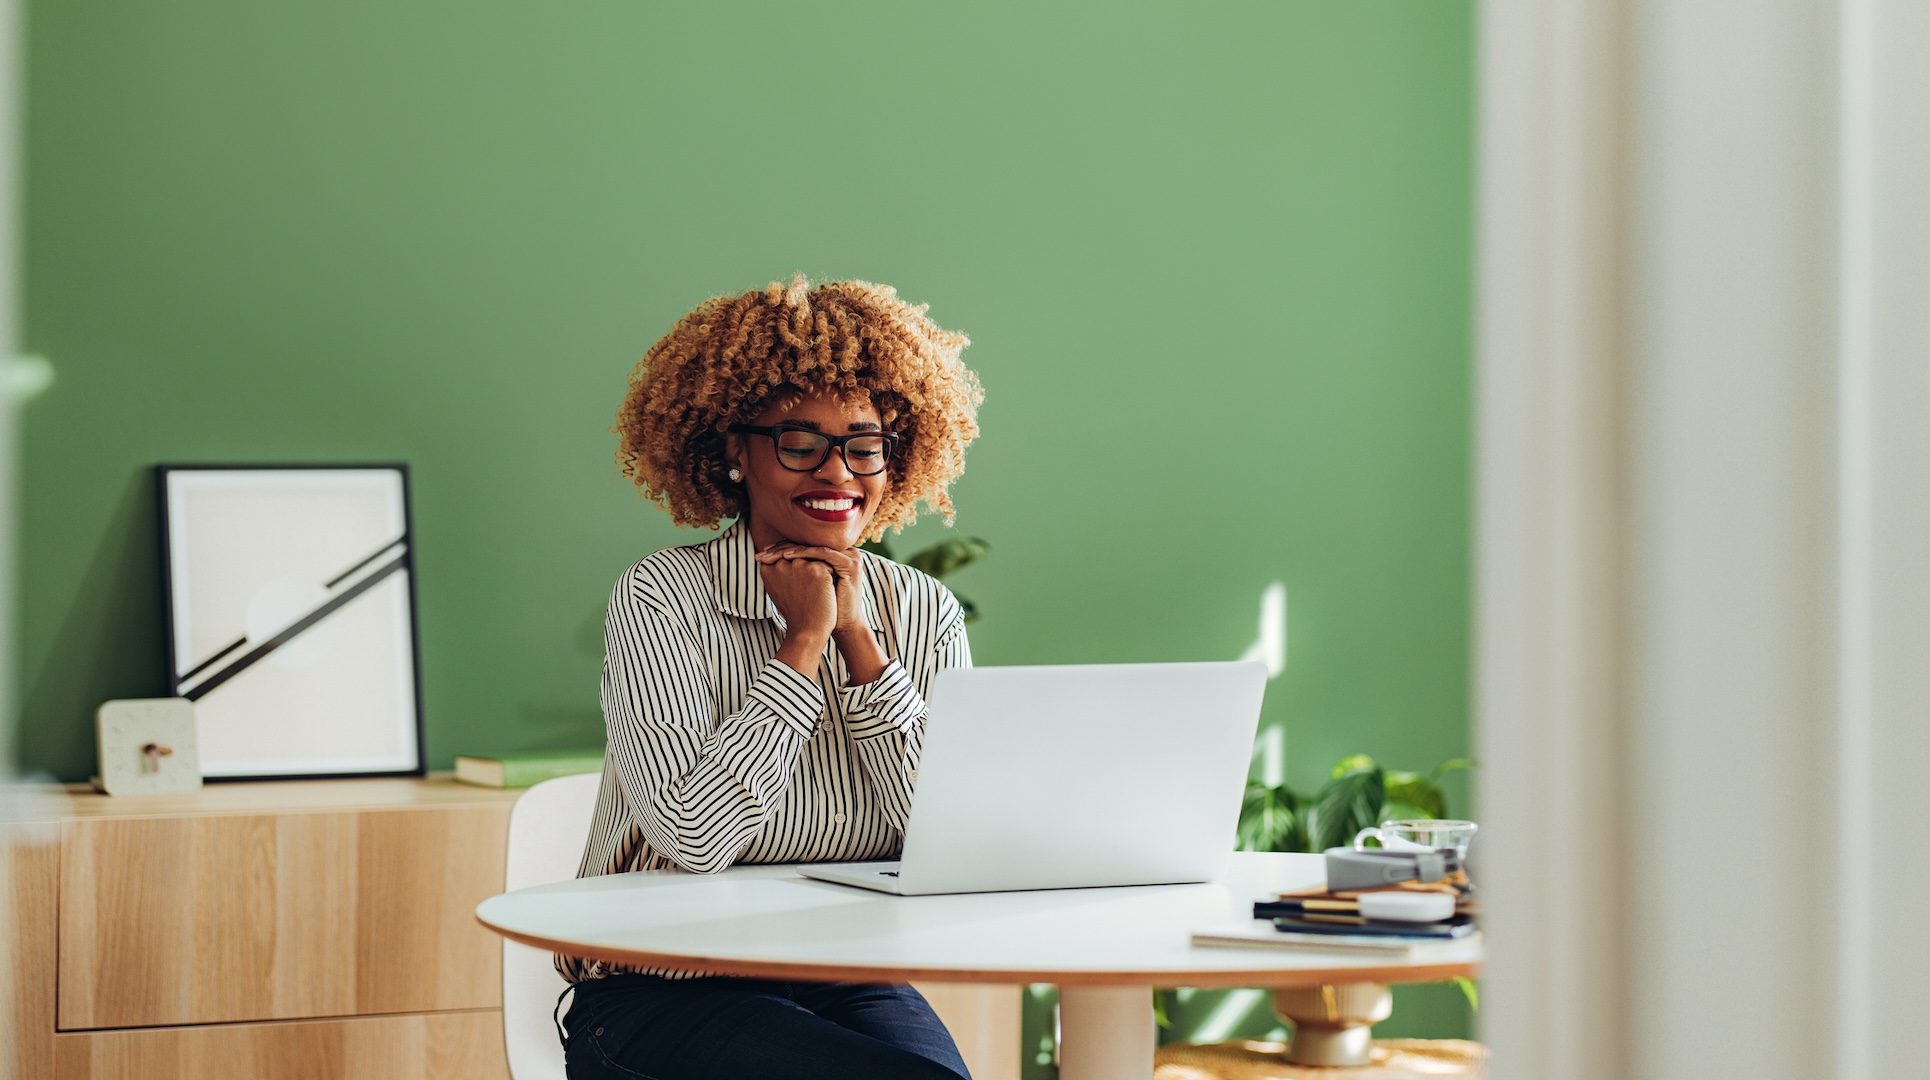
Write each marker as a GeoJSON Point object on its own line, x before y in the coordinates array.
{"type": "Point", "coordinates": [1106, 1033]}
{"type": "Point", "coordinates": [1333, 1024]}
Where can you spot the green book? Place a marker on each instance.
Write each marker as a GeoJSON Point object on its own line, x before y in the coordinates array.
{"type": "Point", "coordinates": [522, 770]}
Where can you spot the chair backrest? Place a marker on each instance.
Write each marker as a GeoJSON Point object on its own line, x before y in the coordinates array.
{"type": "Point", "coordinates": [547, 827]}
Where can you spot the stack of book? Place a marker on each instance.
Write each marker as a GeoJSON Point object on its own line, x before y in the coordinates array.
{"type": "Point", "coordinates": [1399, 919]}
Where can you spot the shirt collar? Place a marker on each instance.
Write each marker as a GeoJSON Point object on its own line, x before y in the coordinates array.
{"type": "Point", "coordinates": [739, 588]}
{"type": "Point", "coordinates": [733, 573]}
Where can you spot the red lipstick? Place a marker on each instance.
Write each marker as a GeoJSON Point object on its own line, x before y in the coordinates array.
{"type": "Point", "coordinates": [829, 505]}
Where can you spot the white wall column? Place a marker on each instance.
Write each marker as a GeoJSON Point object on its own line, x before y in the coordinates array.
{"type": "Point", "coordinates": [1883, 972]}
{"type": "Point", "coordinates": [1704, 533]}
{"type": "Point", "coordinates": [1549, 574]}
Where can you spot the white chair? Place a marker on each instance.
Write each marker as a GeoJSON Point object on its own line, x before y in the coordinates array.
{"type": "Point", "coordinates": [547, 827]}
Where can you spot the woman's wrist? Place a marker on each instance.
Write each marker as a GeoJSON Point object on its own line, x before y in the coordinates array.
{"type": "Point", "coordinates": [802, 649]}
{"type": "Point", "coordinates": [864, 658]}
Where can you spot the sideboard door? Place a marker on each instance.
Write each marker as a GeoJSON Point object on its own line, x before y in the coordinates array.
{"type": "Point", "coordinates": [235, 917]}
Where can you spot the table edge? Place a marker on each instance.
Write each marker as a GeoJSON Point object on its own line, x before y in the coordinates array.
{"type": "Point", "coordinates": [811, 972]}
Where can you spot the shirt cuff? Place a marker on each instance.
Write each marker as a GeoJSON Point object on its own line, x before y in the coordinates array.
{"type": "Point", "coordinates": [885, 704]}
{"type": "Point", "coordinates": [796, 698]}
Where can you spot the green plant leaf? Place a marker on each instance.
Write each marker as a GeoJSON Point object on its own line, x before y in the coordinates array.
{"type": "Point", "coordinates": [1352, 763]}
{"type": "Point", "coordinates": [1257, 818]}
{"type": "Point", "coordinates": [1271, 819]}
{"type": "Point", "coordinates": [1413, 795]}
{"type": "Point", "coordinates": [1350, 802]}
{"type": "Point", "coordinates": [949, 556]}
{"type": "Point", "coordinates": [1450, 765]}
{"type": "Point", "coordinates": [1470, 990]}
{"type": "Point", "coordinates": [1395, 810]}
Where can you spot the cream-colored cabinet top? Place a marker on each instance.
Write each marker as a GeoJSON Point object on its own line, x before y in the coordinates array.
{"type": "Point", "coordinates": [270, 796]}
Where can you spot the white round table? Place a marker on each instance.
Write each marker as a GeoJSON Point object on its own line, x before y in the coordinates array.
{"type": "Point", "coordinates": [1105, 948]}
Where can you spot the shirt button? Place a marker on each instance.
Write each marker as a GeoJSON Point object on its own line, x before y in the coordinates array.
{"type": "Point", "coordinates": [913, 775]}
{"type": "Point", "coordinates": [839, 818]}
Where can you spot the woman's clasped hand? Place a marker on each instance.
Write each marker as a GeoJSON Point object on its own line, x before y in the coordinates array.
{"type": "Point", "coordinates": [804, 591]}
{"type": "Point", "coordinates": [820, 593]}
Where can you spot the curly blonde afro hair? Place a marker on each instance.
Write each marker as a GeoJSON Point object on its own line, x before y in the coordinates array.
{"type": "Point", "coordinates": [734, 356]}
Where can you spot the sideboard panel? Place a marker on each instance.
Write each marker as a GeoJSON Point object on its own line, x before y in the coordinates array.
{"type": "Point", "coordinates": [237, 917]}
{"type": "Point", "coordinates": [33, 896]}
{"type": "Point", "coordinates": [417, 942]}
{"type": "Point", "coordinates": [166, 921]}
{"type": "Point", "coordinates": [438, 1046]}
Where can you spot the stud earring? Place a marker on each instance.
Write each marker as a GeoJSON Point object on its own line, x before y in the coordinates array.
{"type": "Point", "coordinates": [735, 476]}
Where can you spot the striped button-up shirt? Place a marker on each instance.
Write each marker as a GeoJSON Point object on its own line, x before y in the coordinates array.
{"type": "Point", "coordinates": [719, 753]}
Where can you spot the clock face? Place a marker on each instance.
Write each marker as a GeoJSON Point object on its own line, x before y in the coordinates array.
{"type": "Point", "coordinates": [148, 747]}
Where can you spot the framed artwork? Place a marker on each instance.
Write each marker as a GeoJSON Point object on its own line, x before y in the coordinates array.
{"type": "Point", "coordinates": [291, 618]}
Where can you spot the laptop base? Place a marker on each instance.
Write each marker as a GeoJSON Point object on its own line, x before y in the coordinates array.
{"type": "Point", "coordinates": [876, 876]}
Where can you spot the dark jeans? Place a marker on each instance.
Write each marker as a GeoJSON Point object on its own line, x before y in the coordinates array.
{"type": "Point", "coordinates": [629, 1026]}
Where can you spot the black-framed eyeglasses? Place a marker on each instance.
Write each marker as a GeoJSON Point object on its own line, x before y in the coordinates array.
{"type": "Point", "coordinates": [803, 449]}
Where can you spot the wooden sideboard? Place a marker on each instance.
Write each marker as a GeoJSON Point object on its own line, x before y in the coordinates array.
{"type": "Point", "coordinates": [319, 928]}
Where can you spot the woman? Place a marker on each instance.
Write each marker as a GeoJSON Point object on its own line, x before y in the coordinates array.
{"type": "Point", "coordinates": [764, 692]}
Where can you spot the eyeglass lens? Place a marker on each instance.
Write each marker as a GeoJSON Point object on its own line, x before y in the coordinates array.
{"type": "Point", "coordinates": [803, 451]}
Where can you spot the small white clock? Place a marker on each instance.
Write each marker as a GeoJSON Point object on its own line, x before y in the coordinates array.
{"type": "Point", "coordinates": [148, 747]}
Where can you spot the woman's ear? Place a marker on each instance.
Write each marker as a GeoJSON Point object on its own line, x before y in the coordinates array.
{"type": "Point", "coordinates": [734, 451]}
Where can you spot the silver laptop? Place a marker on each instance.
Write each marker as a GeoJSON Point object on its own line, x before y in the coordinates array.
{"type": "Point", "coordinates": [1074, 777]}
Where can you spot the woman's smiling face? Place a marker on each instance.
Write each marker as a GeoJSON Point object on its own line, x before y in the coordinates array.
{"type": "Point", "coordinates": [828, 506]}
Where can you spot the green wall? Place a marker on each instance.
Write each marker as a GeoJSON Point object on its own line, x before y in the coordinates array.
{"type": "Point", "coordinates": [1213, 259]}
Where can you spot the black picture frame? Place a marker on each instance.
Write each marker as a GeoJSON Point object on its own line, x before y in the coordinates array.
{"type": "Point", "coordinates": [371, 570]}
